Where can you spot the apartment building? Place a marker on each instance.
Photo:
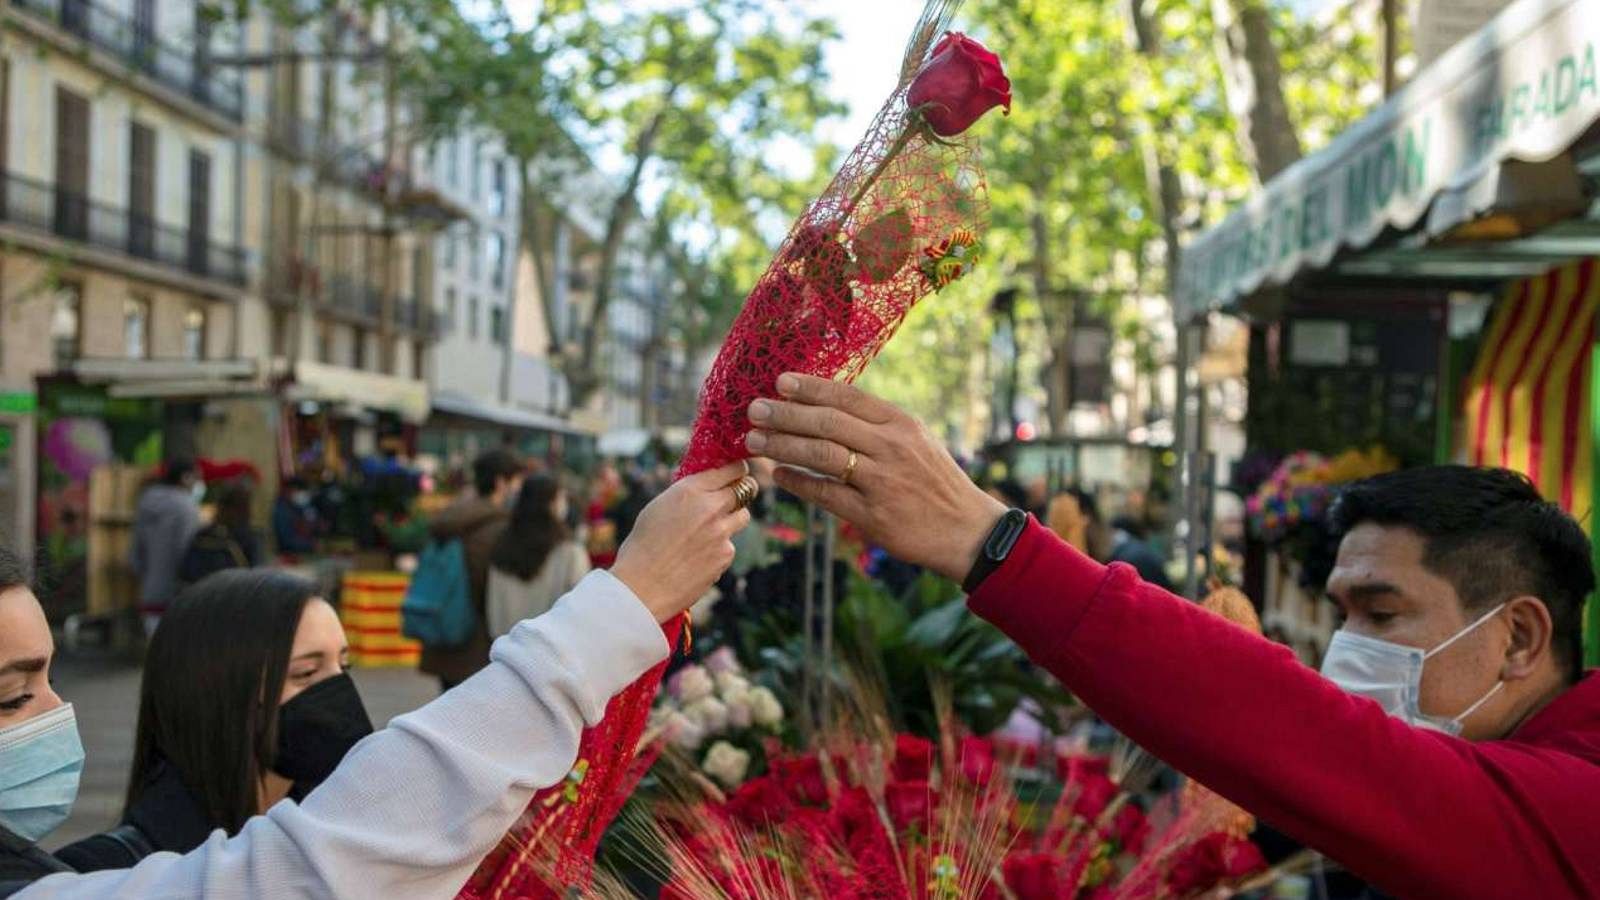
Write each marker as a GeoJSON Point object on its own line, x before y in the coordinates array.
{"type": "Point", "coordinates": [350, 219]}
{"type": "Point", "coordinates": [122, 270]}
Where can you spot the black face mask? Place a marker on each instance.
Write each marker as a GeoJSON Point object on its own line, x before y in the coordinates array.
{"type": "Point", "coordinates": [316, 728]}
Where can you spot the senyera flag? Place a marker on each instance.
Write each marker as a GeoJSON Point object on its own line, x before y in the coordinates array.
{"type": "Point", "coordinates": [901, 219]}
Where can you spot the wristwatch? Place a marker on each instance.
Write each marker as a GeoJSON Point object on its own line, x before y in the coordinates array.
{"type": "Point", "coordinates": [996, 547]}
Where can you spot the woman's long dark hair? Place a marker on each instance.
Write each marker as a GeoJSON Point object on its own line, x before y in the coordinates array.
{"type": "Point", "coordinates": [212, 678]}
{"type": "Point", "coordinates": [533, 530]}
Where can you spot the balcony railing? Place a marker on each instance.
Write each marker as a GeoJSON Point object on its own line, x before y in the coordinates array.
{"type": "Point", "coordinates": [354, 298]}
{"type": "Point", "coordinates": [418, 317]}
{"type": "Point", "coordinates": [50, 209]}
{"type": "Point", "coordinates": [187, 70]}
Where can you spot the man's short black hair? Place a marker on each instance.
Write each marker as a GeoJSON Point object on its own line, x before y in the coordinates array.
{"type": "Point", "coordinates": [1490, 534]}
{"type": "Point", "coordinates": [13, 571]}
{"type": "Point", "coordinates": [492, 466]}
{"type": "Point", "coordinates": [178, 468]}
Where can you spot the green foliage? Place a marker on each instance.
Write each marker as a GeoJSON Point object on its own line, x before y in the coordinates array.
{"type": "Point", "coordinates": [912, 646]}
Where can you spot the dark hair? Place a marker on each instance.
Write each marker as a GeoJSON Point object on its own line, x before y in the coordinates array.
{"type": "Point", "coordinates": [490, 467]}
{"type": "Point", "coordinates": [1086, 503]}
{"type": "Point", "coordinates": [1490, 534]}
{"type": "Point", "coordinates": [13, 571]}
{"type": "Point", "coordinates": [233, 506]}
{"type": "Point", "coordinates": [177, 469]}
{"type": "Point", "coordinates": [208, 705]}
{"type": "Point", "coordinates": [533, 530]}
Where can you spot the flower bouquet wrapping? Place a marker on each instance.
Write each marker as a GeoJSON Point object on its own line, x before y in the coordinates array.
{"type": "Point", "coordinates": [900, 219]}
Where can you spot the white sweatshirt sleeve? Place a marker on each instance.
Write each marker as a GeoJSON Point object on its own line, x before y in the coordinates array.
{"type": "Point", "coordinates": [413, 808]}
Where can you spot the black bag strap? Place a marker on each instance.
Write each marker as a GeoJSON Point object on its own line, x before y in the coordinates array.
{"type": "Point", "coordinates": [133, 840]}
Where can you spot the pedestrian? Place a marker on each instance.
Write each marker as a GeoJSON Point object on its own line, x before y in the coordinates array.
{"type": "Point", "coordinates": [412, 809]}
{"type": "Point", "coordinates": [1452, 713]}
{"type": "Point", "coordinates": [245, 701]}
{"type": "Point", "coordinates": [229, 542]}
{"type": "Point", "coordinates": [165, 519]}
{"type": "Point", "coordinates": [535, 560]}
{"type": "Point", "coordinates": [475, 520]}
{"type": "Point", "coordinates": [296, 524]}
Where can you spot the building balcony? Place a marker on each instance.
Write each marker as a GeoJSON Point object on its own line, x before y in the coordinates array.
{"type": "Point", "coordinates": [186, 70]}
{"type": "Point", "coordinates": [417, 317]}
{"type": "Point", "coordinates": [354, 299]}
{"type": "Point", "coordinates": [50, 210]}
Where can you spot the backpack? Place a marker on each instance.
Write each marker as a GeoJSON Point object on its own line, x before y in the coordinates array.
{"type": "Point", "coordinates": [438, 607]}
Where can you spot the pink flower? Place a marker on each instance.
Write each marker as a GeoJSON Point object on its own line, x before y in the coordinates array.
{"type": "Point", "coordinates": [723, 659]}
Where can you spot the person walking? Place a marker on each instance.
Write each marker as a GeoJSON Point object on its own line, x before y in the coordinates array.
{"type": "Point", "coordinates": [477, 521]}
{"type": "Point", "coordinates": [164, 522]}
{"type": "Point", "coordinates": [229, 542]}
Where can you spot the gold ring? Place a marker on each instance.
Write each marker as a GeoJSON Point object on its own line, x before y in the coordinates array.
{"type": "Point", "coordinates": [849, 467]}
{"type": "Point", "coordinates": [745, 490]}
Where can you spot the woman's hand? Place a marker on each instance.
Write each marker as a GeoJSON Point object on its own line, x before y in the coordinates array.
{"type": "Point", "coordinates": [904, 492]}
{"type": "Point", "coordinates": [681, 543]}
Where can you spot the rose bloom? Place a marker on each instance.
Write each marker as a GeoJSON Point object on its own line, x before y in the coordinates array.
{"type": "Point", "coordinates": [690, 684]}
{"type": "Point", "coordinates": [910, 804]}
{"type": "Point", "coordinates": [683, 732]}
{"type": "Point", "coordinates": [722, 660]}
{"type": "Point", "coordinates": [740, 712]}
{"type": "Point", "coordinates": [960, 82]}
{"type": "Point", "coordinates": [765, 708]}
{"type": "Point", "coordinates": [708, 713]}
{"type": "Point", "coordinates": [913, 758]}
{"type": "Point", "coordinates": [727, 764]}
{"type": "Point", "coordinates": [729, 682]}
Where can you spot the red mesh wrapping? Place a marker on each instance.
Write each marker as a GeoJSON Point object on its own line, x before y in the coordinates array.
{"type": "Point", "coordinates": [849, 271]}
{"type": "Point", "coordinates": [898, 221]}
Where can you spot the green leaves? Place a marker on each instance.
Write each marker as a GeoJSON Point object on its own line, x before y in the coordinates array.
{"type": "Point", "coordinates": [883, 247]}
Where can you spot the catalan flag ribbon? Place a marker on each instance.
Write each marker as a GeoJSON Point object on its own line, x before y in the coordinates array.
{"type": "Point", "coordinates": [1526, 406]}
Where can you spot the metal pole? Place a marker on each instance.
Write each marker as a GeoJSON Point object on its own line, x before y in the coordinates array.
{"type": "Point", "coordinates": [830, 532]}
{"type": "Point", "coordinates": [808, 646]}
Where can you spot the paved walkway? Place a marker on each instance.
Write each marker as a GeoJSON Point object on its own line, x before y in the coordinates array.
{"type": "Point", "coordinates": [105, 690]}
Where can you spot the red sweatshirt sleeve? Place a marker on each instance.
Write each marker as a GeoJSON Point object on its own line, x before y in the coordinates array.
{"type": "Point", "coordinates": [1418, 814]}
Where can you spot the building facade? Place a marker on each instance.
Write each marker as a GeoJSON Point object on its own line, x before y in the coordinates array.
{"type": "Point", "coordinates": [122, 225]}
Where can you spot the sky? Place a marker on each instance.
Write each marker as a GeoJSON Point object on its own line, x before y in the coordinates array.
{"type": "Point", "coordinates": [864, 63]}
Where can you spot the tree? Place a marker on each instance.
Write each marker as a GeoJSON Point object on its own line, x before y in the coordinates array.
{"type": "Point", "coordinates": [692, 97]}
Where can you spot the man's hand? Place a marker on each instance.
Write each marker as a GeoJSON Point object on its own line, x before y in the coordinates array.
{"type": "Point", "coordinates": [905, 492]}
{"type": "Point", "coordinates": [682, 542]}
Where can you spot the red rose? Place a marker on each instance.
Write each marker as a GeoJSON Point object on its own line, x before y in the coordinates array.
{"type": "Point", "coordinates": [960, 82]}
{"type": "Point", "coordinates": [1130, 829]}
{"type": "Point", "coordinates": [910, 804]}
{"type": "Point", "coordinates": [977, 760]}
{"type": "Point", "coordinates": [801, 778]}
{"type": "Point", "coordinates": [913, 758]}
{"type": "Point", "coordinates": [1213, 860]}
{"type": "Point", "coordinates": [1037, 876]}
{"type": "Point", "coordinates": [757, 801]}
{"type": "Point", "coordinates": [1093, 793]}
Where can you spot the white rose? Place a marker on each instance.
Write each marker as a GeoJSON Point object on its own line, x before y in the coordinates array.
{"type": "Point", "coordinates": [691, 684]}
{"type": "Point", "coordinates": [740, 714]}
{"type": "Point", "coordinates": [683, 732]}
{"type": "Point", "coordinates": [729, 683]}
{"type": "Point", "coordinates": [709, 713]}
{"type": "Point", "coordinates": [727, 764]}
{"type": "Point", "coordinates": [765, 708]}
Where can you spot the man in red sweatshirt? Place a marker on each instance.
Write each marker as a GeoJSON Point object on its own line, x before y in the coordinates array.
{"type": "Point", "coordinates": [1453, 748]}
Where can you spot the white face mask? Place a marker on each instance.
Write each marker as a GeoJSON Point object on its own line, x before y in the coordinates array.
{"type": "Point", "coordinates": [1391, 674]}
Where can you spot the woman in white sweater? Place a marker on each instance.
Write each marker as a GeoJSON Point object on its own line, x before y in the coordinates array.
{"type": "Point", "coordinates": [413, 808]}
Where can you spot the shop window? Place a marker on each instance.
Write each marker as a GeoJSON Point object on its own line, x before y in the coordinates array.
{"type": "Point", "coordinates": [66, 324]}
{"type": "Point", "coordinates": [497, 324]}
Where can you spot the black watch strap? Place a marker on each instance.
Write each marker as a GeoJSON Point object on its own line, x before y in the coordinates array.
{"type": "Point", "coordinates": [996, 547]}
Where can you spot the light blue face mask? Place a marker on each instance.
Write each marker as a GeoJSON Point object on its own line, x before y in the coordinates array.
{"type": "Point", "coordinates": [40, 761]}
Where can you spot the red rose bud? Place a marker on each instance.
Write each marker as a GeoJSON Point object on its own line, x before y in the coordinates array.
{"type": "Point", "coordinates": [960, 82]}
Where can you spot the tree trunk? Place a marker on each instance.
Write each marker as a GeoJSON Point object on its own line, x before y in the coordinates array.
{"type": "Point", "coordinates": [533, 240]}
{"type": "Point", "coordinates": [1254, 82]}
{"type": "Point", "coordinates": [583, 376]}
{"type": "Point", "coordinates": [1058, 319]}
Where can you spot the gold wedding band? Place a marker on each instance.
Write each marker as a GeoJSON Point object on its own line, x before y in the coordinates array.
{"type": "Point", "coordinates": [849, 467]}
{"type": "Point", "coordinates": [745, 490]}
